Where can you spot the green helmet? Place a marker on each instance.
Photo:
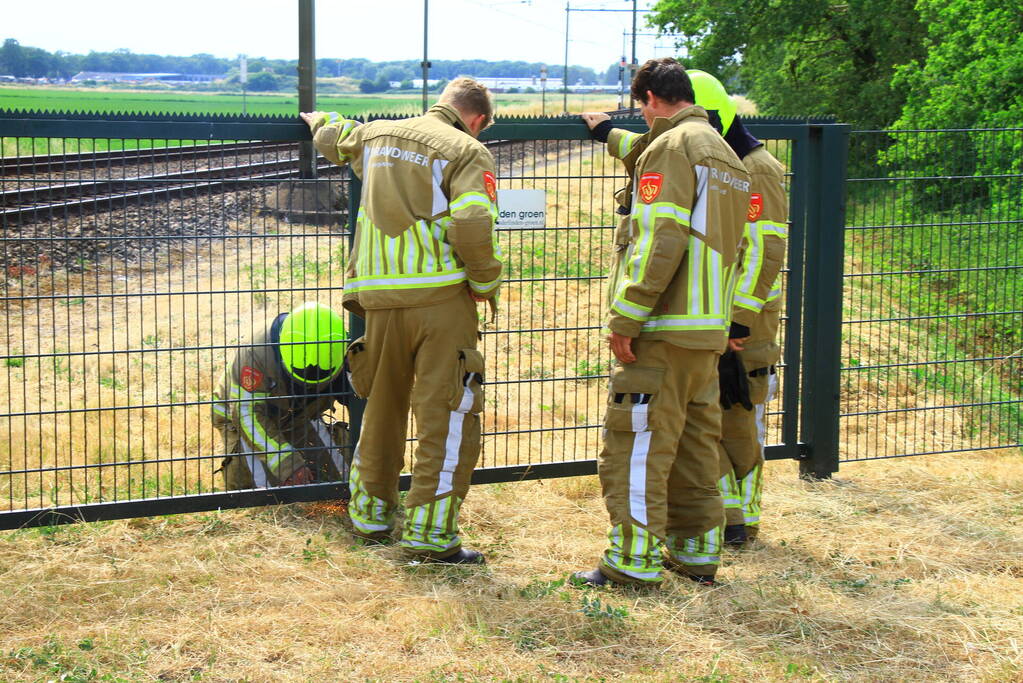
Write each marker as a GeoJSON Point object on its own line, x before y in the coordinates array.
{"type": "Point", "coordinates": [312, 343]}
{"type": "Point", "coordinates": [711, 95]}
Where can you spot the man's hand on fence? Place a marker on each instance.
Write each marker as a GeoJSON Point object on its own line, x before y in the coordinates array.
{"type": "Point", "coordinates": [733, 381]}
{"type": "Point", "coordinates": [592, 118]}
{"type": "Point", "coordinates": [311, 117]}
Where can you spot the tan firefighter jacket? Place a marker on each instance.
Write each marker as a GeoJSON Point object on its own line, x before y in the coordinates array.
{"type": "Point", "coordinates": [425, 226]}
{"type": "Point", "coordinates": [259, 404]}
{"type": "Point", "coordinates": [758, 288]}
{"type": "Point", "coordinates": [673, 277]}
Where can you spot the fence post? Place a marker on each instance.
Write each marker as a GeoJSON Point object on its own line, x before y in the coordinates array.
{"type": "Point", "coordinates": [825, 251]}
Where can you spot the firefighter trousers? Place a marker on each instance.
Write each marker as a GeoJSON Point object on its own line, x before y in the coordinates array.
{"type": "Point", "coordinates": [424, 356]}
{"type": "Point", "coordinates": [659, 465]}
{"type": "Point", "coordinates": [741, 452]}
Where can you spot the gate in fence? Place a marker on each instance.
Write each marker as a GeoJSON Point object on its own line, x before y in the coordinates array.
{"type": "Point", "coordinates": [140, 252]}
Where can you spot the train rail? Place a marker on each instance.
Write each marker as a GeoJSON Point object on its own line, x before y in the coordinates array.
{"type": "Point", "coordinates": [52, 185]}
{"type": "Point", "coordinates": [62, 163]}
{"type": "Point", "coordinates": [49, 186]}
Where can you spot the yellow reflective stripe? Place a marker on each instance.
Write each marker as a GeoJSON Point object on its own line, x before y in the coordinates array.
{"type": "Point", "coordinates": [630, 309]}
{"type": "Point", "coordinates": [639, 251]}
{"type": "Point", "coordinates": [673, 211]}
{"type": "Point", "coordinates": [774, 228]}
{"type": "Point", "coordinates": [642, 560]}
{"type": "Point", "coordinates": [696, 284]}
{"type": "Point", "coordinates": [257, 435]}
{"type": "Point", "coordinates": [752, 259]}
{"type": "Point", "coordinates": [626, 142]}
{"type": "Point", "coordinates": [716, 281]}
{"type": "Point", "coordinates": [388, 253]}
{"type": "Point", "coordinates": [467, 199]}
{"type": "Point", "coordinates": [484, 287]}
{"type": "Point", "coordinates": [685, 322]}
{"type": "Point", "coordinates": [750, 303]}
{"type": "Point", "coordinates": [406, 281]}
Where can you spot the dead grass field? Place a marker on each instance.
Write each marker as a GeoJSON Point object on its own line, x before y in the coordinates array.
{"type": "Point", "coordinates": [910, 570]}
{"type": "Point", "coordinates": [907, 570]}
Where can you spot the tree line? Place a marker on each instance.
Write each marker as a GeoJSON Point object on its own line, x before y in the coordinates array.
{"type": "Point", "coordinates": [871, 63]}
{"type": "Point", "coordinates": [32, 62]}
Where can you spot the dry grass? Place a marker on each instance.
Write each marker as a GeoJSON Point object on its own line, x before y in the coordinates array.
{"type": "Point", "coordinates": [910, 570]}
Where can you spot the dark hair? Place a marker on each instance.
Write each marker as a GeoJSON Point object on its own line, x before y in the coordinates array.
{"type": "Point", "coordinates": [664, 77]}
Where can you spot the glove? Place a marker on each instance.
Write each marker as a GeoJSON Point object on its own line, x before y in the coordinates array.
{"type": "Point", "coordinates": [733, 381]}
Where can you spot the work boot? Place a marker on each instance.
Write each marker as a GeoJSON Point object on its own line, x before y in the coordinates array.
{"type": "Point", "coordinates": [594, 577]}
{"type": "Point", "coordinates": [735, 535]}
{"type": "Point", "coordinates": [702, 579]}
{"type": "Point", "coordinates": [463, 556]}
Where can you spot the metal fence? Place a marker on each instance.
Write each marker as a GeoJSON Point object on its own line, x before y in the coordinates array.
{"type": "Point", "coordinates": [932, 330]}
{"type": "Point", "coordinates": [138, 253]}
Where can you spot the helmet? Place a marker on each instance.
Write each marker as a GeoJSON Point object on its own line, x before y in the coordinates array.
{"type": "Point", "coordinates": [312, 343]}
{"type": "Point", "coordinates": [711, 95]}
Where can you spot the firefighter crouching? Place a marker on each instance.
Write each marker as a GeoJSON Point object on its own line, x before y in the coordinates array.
{"type": "Point", "coordinates": [747, 372]}
{"type": "Point", "coordinates": [424, 253]}
{"type": "Point", "coordinates": [272, 406]}
{"type": "Point", "coordinates": [670, 305]}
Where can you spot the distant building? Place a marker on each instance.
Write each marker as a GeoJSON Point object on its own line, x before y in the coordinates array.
{"type": "Point", "coordinates": [504, 84]}
{"type": "Point", "coordinates": [120, 77]}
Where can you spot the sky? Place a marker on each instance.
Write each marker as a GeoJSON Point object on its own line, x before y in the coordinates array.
{"type": "Point", "coordinates": [378, 30]}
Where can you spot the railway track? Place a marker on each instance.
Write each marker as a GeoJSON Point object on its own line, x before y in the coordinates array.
{"type": "Point", "coordinates": [45, 186]}
{"type": "Point", "coordinates": [56, 187]}
{"type": "Point", "coordinates": [52, 185]}
{"type": "Point", "coordinates": [62, 163]}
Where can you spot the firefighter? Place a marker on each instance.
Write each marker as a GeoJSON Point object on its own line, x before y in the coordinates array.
{"type": "Point", "coordinates": [424, 254]}
{"type": "Point", "coordinates": [670, 305]}
{"type": "Point", "coordinates": [747, 371]}
{"type": "Point", "coordinates": [272, 405]}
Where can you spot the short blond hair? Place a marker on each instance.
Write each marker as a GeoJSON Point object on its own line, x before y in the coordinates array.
{"type": "Point", "coordinates": [470, 97]}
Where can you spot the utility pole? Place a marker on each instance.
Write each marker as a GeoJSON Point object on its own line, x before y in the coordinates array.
{"type": "Point", "coordinates": [426, 62]}
{"type": "Point", "coordinates": [243, 77]}
{"type": "Point", "coordinates": [621, 77]}
{"type": "Point", "coordinates": [564, 81]}
{"type": "Point", "coordinates": [632, 72]}
{"type": "Point", "coordinates": [543, 90]}
{"type": "Point", "coordinates": [306, 82]}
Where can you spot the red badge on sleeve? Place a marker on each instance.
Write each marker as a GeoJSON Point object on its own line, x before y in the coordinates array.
{"type": "Point", "coordinates": [251, 378]}
{"type": "Point", "coordinates": [490, 185]}
{"type": "Point", "coordinates": [650, 186]}
{"type": "Point", "coordinates": [756, 207]}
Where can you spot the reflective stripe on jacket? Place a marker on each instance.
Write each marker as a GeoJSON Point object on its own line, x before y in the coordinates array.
{"type": "Point", "coordinates": [425, 227]}
{"type": "Point", "coordinates": [674, 278]}
{"type": "Point", "coordinates": [758, 287]}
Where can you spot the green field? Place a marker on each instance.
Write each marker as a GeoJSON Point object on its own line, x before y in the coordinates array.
{"type": "Point", "coordinates": [179, 102]}
{"type": "Point", "coordinates": [66, 99]}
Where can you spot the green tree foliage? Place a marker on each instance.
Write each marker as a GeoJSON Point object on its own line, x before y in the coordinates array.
{"type": "Point", "coordinates": [264, 81]}
{"type": "Point", "coordinates": [803, 56]}
{"type": "Point", "coordinates": [971, 77]}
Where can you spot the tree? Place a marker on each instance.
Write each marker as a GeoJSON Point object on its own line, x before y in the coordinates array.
{"type": "Point", "coordinates": [12, 60]}
{"type": "Point", "coordinates": [803, 56]}
{"type": "Point", "coordinates": [971, 77]}
{"type": "Point", "coordinates": [263, 81]}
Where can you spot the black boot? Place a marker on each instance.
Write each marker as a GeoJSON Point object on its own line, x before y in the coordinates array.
{"type": "Point", "coordinates": [735, 535]}
{"type": "Point", "coordinates": [702, 579]}
{"type": "Point", "coordinates": [463, 556]}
